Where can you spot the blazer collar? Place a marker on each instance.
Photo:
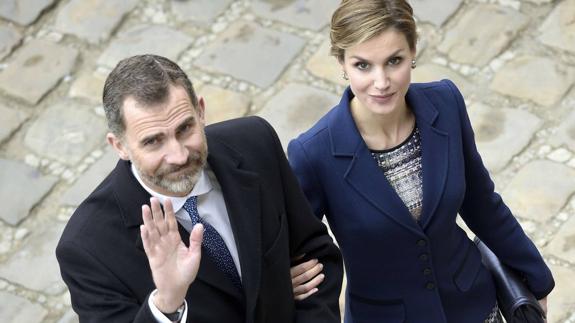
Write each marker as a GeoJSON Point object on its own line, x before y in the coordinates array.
{"type": "Point", "coordinates": [363, 174]}
{"type": "Point", "coordinates": [343, 132]}
{"type": "Point", "coordinates": [129, 194]}
{"type": "Point", "coordinates": [344, 135]}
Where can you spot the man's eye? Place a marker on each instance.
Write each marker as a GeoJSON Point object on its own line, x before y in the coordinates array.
{"type": "Point", "coordinates": [185, 128]}
{"type": "Point", "coordinates": [150, 142]}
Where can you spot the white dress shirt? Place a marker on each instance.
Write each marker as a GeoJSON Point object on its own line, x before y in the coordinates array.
{"type": "Point", "coordinates": [211, 208]}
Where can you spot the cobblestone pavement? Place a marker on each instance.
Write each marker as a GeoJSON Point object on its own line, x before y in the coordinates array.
{"type": "Point", "coordinates": [514, 61]}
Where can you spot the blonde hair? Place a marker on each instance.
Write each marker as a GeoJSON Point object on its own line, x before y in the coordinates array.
{"type": "Point", "coordinates": [356, 21]}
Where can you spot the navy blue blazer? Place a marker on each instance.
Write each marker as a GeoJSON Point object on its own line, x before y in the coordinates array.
{"type": "Point", "coordinates": [399, 270]}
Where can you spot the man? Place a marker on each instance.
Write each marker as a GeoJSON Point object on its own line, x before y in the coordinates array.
{"type": "Point", "coordinates": [126, 261]}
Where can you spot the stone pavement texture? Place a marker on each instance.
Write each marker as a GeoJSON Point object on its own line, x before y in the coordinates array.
{"type": "Point", "coordinates": [514, 60]}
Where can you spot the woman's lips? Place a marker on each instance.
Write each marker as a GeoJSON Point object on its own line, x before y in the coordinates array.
{"type": "Point", "coordinates": [382, 98]}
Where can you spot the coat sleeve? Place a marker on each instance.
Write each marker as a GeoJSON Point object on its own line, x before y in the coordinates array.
{"type": "Point", "coordinates": [97, 295]}
{"type": "Point", "coordinates": [484, 211]}
{"type": "Point", "coordinates": [308, 181]}
{"type": "Point", "coordinates": [309, 236]}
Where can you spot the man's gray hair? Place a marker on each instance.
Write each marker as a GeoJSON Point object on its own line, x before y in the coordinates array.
{"type": "Point", "coordinates": [145, 78]}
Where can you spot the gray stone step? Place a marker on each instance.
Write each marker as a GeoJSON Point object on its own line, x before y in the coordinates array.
{"type": "Point", "coordinates": [36, 68]}
{"type": "Point", "coordinates": [22, 188]}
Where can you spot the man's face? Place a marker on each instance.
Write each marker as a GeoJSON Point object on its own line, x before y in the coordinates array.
{"type": "Point", "coordinates": [166, 142]}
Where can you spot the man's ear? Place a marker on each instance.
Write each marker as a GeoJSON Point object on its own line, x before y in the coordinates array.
{"type": "Point", "coordinates": [118, 146]}
{"type": "Point", "coordinates": [202, 109]}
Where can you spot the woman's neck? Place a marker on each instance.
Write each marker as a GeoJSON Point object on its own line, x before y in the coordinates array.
{"type": "Point", "coordinates": [379, 131]}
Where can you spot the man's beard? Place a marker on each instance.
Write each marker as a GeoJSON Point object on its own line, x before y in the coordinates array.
{"type": "Point", "coordinates": [184, 182]}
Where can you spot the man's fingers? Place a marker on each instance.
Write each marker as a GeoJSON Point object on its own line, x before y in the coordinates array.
{"type": "Point", "coordinates": [309, 286]}
{"type": "Point", "coordinates": [296, 258]}
{"type": "Point", "coordinates": [158, 216]}
{"type": "Point", "coordinates": [171, 221]}
{"type": "Point", "coordinates": [196, 237]}
{"type": "Point", "coordinates": [306, 295]}
{"type": "Point", "coordinates": [146, 240]}
{"type": "Point", "coordinates": [302, 268]}
{"type": "Point", "coordinates": [308, 275]}
{"type": "Point", "coordinates": [149, 223]}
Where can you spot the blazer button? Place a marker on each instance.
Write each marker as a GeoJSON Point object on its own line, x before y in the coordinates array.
{"type": "Point", "coordinates": [427, 271]}
{"type": "Point", "coordinates": [421, 243]}
{"type": "Point", "coordinates": [430, 286]}
{"type": "Point", "coordinates": [423, 257]}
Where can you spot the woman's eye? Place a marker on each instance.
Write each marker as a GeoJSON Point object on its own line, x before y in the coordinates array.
{"type": "Point", "coordinates": [394, 61]}
{"type": "Point", "coordinates": [362, 65]}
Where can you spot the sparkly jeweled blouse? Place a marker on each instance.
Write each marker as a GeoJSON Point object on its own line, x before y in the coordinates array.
{"type": "Point", "coordinates": [402, 168]}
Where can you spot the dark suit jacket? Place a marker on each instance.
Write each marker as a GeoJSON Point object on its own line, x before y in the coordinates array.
{"type": "Point", "coordinates": [399, 270]}
{"type": "Point", "coordinates": [103, 263]}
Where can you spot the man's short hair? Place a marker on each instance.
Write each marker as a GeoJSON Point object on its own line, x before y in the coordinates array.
{"type": "Point", "coordinates": [145, 78]}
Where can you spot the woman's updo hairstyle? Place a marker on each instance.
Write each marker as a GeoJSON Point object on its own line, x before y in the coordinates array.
{"type": "Point", "coordinates": [356, 21]}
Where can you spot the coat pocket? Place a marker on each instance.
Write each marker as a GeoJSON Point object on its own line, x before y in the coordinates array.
{"type": "Point", "coordinates": [468, 269]}
{"type": "Point", "coordinates": [369, 310]}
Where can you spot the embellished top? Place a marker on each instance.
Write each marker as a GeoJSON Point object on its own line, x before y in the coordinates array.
{"type": "Point", "coordinates": [402, 168]}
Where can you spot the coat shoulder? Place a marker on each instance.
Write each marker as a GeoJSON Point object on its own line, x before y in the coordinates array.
{"type": "Point", "coordinates": [444, 90]}
{"type": "Point", "coordinates": [240, 131]}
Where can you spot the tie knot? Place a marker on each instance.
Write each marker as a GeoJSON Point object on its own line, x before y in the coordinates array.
{"type": "Point", "coordinates": [191, 206]}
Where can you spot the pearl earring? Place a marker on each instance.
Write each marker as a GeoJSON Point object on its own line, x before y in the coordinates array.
{"type": "Point", "coordinates": [413, 64]}
{"type": "Point", "coordinates": [345, 76]}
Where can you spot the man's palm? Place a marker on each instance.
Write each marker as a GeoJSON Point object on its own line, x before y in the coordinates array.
{"type": "Point", "coordinates": [174, 266]}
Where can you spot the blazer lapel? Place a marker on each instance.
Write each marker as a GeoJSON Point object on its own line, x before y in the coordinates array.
{"type": "Point", "coordinates": [365, 176]}
{"type": "Point", "coordinates": [435, 153]}
{"type": "Point", "coordinates": [362, 172]}
{"type": "Point", "coordinates": [240, 188]}
{"type": "Point", "coordinates": [209, 272]}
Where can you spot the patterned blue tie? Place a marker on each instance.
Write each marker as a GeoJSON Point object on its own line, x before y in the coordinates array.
{"type": "Point", "coordinates": [213, 243]}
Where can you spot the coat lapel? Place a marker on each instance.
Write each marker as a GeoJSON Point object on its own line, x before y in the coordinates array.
{"type": "Point", "coordinates": [365, 176]}
{"type": "Point", "coordinates": [435, 152]}
{"type": "Point", "coordinates": [208, 272]}
{"type": "Point", "coordinates": [362, 172]}
{"type": "Point", "coordinates": [240, 188]}
{"type": "Point", "coordinates": [368, 180]}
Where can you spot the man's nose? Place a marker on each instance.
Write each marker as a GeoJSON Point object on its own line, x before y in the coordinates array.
{"type": "Point", "coordinates": [177, 153]}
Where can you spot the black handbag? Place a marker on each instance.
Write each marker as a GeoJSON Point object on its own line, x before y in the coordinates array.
{"type": "Point", "coordinates": [516, 302]}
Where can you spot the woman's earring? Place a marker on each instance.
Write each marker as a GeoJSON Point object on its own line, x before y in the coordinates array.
{"type": "Point", "coordinates": [413, 64]}
{"type": "Point", "coordinates": [345, 76]}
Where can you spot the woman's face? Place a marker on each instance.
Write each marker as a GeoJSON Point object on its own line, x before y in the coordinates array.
{"type": "Point", "coordinates": [379, 71]}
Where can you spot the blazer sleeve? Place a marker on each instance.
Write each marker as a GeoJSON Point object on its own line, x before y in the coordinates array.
{"type": "Point", "coordinates": [307, 178]}
{"type": "Point", "coordinates": [484, 211]}
{"type": "Point", "coordinates": [97, 295]}
{"type": "Point", "coordinates": [309, 236]}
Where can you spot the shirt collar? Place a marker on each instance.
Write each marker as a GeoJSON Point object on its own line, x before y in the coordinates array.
{"type": "Point", "coordinates": [203, 186]}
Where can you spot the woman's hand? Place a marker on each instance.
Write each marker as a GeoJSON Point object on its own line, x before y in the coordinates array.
{"type": "Point", "coordinates": [305, 278]}
{"type": "Point", "coordinates": [543, 303]}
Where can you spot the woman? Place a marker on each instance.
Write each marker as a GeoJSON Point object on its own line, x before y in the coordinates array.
{"type": "Point", "coordinates": [390, 167]}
